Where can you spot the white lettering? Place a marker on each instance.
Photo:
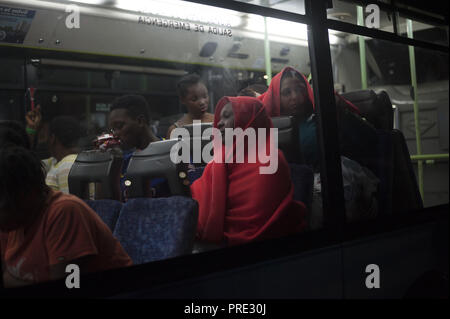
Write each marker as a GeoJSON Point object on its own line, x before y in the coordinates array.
{"type": "Point", "coordinates": [73, 280]}
{"type": "Point", "coordinates": [373, 280]}
{"type": "Point", "coordinates": [73, 18]}
{"type": "Point", "coordinates": [373, 19]}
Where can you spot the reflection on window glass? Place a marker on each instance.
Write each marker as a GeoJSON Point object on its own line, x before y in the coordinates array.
{"type": "Point", "coordinates": [424, 32]}
{"type": "Point", "coordinates": [371, 15]}
{"type": "Point", "coordinates": [389, 102]}
{"type": "Point", "coordinates": [294, 6]}
{"type": "Point", "coordinates": [177, 60]}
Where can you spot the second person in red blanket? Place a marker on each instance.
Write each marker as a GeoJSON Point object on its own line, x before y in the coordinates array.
{"type": "Point", "coordinates": [237, 203]}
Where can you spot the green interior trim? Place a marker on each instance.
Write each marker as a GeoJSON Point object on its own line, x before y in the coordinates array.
{"type": "Point", "coordinates": [428, 157]}
{"type": "Point", "coordinates": [362, 50]}
{"type": "Point", "coordinates": [267, 53]}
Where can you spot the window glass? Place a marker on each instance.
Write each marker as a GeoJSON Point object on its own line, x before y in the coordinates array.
{"type": "Point", "coordinates": [370, 16]}
{"type": "Point", "coordinates": [423, 31]}
{"type": "Point", "coordinates": [388, 69]}
{"type": "Point", "coordinates": [294, 6]}
{"type": "Point", "coordinates": [145, 48]}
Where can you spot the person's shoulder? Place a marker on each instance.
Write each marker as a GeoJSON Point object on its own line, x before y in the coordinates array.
{"type": "Point", "coordinates": [209, 117]}
{"type": "Point", "coordinates": [60, 201]}
{"type": "Point", "coordinates": [65, 163]}
{"type": "Point", "coordinates": [184, 120]}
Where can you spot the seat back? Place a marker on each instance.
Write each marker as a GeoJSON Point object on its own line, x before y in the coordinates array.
{"type": "Point", "coordinates": [152, 229]}
{"type": "Point", "coordinates": [384, 170]}
{"type": "Point", "coordinates": [107, 209]}
{"type": "Point", "coordinates": [288, 138]}
{"type": "Point", "coordinates": [406, 195]}
{"type": "Point", "coordinates": [102, 168]}
{"type": "Point", "coordinates": [155, 162]}
{"type": "Point", "coordinates": [371, 148]}
{"type": "Point", "coordinates": [198, 141]}
{"type": "Point", "coordinates": [376, 108]}
{"type": "Point", "coordinates": [195, 174]}
{"type": "Point", "coordinates": [303, 179]}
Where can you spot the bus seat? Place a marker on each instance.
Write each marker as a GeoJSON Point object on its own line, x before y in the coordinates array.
{"type": "Point", "coordinates": [102, 168]}
{"type": "Point", "coordinates": [406, 195]}
{"type": "Point", "coordinates": [303, 179]}
{"type": "Point", "coordinates": [376, 108]}
{"type": "Point", "coordinates": [358, 140]}
{"type": "Point", "coordinates": [195, 174]}
{"type": "Point", "coordinates": [288, 138]}
{"type": "Point", "coordinates": [107, 209]}
{"type": "Point", "coordinates": [155, 162]}
{"type": "Point", "coordinates": [152, 229]}
{"type": "Point", "coordinates": [371, 148]}
{"type": "Point", "coordinates": [196, 141]}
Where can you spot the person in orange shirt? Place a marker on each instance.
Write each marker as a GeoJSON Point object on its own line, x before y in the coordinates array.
{"type": "Point", "coordinates": [42, 230]}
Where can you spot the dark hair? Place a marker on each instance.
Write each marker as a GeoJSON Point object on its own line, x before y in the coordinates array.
{"type": "Point", "coordinates": [22, 182]}
{"type": "Point", "coordinates": [136, 105]}
{"type": "Point", "coordinates": [66, 129]}
{"type": "Point", "coordinates": [291, 74]}
{"type": "Point", "coordinates": [13, 132]}
{"type": "Point", "coordinates": [186, 82]}
{"type": "Point", "coordinates": [252, 89]}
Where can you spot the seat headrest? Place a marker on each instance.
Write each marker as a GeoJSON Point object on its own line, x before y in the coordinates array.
{"type": "Point", "coordinates": [196, 130]}
{"type": "Point", "coordinates": [375, 107]}
{"type": "Point", "coordinates": [288, 138]}
{"type": "Point", "coordinates": [156, 148]}
{"type": "Point", "coordinates": [95, 166]}
{"type": "Point", "coordinates": [155, 162]}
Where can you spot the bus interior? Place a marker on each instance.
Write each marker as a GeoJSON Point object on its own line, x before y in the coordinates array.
{"type": "Point", "coordinates": [75, 57]}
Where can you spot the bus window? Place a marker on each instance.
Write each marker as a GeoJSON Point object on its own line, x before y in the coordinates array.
{"type": "Point", "coordinates": [123, 49]}
{"type": "Point", "coordinates": [405, 90]}
{"type": "Point", "coordinates": [295, 6]}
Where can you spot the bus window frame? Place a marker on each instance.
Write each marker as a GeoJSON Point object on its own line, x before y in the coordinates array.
{"type": "Point", "coordinates": [337, 231]}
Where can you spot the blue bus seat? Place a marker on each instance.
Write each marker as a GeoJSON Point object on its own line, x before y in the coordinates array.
{"type": "Point", "coordinates": [155, 162]}
{"type": "Point", "coordinates": [101, 168]}
{"type": "Point", "coordinates": [152, 229]}
{"type": "Point", "coordinates": [107, 209]}
{"type": "Point", "coordinates": [195, 174]}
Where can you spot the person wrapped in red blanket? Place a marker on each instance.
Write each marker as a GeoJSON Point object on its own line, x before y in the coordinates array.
{"type": "Point", "coordinates": [290, 94]}
{"type": "Point", "coordinates": [280, 97]}
{"type": "Point", "coordinates": [237, 203]}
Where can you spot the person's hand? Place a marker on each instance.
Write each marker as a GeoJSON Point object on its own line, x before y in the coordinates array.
{"type": "Point", "coordinates": [33, 118]}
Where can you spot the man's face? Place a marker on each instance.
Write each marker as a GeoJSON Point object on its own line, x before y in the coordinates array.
{"type": "Point", "coordinates": [292, 97]}
{"type": "Point", "coordinates": [196, 99]}
{"type": "Point", "coordinates": [125, 127]}
{"type": "Point", "coordinates": [226, 119]}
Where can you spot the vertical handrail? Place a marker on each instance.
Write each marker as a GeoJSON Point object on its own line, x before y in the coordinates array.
{"type": "Point", "coordinates": [412, 63]}
{"type": "Point", "coordinates": [88, 99]}
{"type": "Point", "coordinates": [362, 49]}
{"type": "Point", "coordinates": [268, 61]}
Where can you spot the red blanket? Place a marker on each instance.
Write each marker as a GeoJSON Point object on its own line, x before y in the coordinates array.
{"type": "Point", "coordinates": [237, 204]}
{"type": "Point", "coordinates": [271, 98]}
